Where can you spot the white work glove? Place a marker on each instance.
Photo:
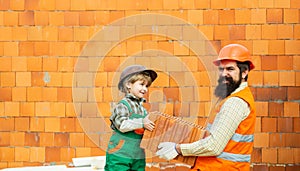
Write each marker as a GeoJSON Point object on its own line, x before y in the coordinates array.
{"type": "Point", "coordinates": [167, 150]}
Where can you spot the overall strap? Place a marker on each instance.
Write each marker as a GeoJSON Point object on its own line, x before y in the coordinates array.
{"type": "Point", "coordinates": [127, 105]}
{"type": "Point", "coordinates": [133, 115]}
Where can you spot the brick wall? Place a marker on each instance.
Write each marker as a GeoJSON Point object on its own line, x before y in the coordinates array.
{"type": "Point", "coordinates": [55, 95]}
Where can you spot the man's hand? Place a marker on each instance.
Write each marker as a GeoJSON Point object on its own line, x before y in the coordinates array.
{"type": "Point", "coordinates": [167, 150]}
{"type": "Point", "coordinates": [148, 124]}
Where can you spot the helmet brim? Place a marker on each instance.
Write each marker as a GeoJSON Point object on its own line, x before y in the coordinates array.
{"type": "Point", "coordinates": [218, 61]}
{"type": "Point", "coordinates": [152, 74]}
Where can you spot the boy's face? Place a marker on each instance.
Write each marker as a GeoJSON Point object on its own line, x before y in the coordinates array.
{"type": "Point", "coordinates": [138, 88]}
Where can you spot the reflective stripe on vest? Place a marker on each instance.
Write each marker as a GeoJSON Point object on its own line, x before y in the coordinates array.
{"type": "Point", "coordinates": [238, 157]}
{"type": "Point", "coordinates": [242, 138]}
{"type": "Point", "coordinates": [235, 157]}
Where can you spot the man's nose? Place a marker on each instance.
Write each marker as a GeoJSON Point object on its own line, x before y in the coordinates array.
{"type": "Point", "coordinates": [224, 72]}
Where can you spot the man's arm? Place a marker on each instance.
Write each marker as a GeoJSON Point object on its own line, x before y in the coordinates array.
{"type": "Point", "coordinates": [232, 113]}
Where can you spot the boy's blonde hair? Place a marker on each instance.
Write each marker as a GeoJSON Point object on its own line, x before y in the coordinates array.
{"type": "Point", "coordinates": [143, 76]}
{"type": "Point", "coordinates": [131, 70]}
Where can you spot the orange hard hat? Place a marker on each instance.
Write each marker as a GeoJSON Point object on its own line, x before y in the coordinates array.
{"type": "Point", "coordinates": [235, 52]}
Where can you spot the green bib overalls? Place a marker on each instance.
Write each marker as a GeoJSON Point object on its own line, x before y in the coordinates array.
{"type": "Point", "coordinates": [123, 151]}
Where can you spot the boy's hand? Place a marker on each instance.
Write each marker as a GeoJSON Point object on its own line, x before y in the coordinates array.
{"type": "Point", "coordinates": [148, 124]}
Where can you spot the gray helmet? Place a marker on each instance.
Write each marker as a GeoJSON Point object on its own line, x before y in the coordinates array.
{"type": "Point", "coordinates": [135, 69]}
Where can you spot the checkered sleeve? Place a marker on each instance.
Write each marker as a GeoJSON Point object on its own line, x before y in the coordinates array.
{"type": "Point", "coordinates": [119, 114]}
{"type": "Point", "coordinates": [121, 120]}
{"type": "Point", "coordinates": [232, 113]}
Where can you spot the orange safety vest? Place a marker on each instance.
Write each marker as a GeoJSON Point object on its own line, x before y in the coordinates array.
{"type": "Point", "coordinates": [237, 153]}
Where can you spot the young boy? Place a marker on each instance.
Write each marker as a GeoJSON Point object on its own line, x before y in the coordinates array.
{"type": "Point", "coordinates": [128, 121]}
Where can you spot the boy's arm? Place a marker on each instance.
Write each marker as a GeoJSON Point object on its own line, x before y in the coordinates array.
{"type": "Point", "coordinates": [120, 119]}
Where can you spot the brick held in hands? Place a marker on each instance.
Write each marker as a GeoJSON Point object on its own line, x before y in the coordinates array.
{"type": "Point", "coordinates": [171, 129]}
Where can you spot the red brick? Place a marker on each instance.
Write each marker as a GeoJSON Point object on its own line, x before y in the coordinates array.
{"type": "Point", "coordinates": [269, 62]}
{"type": "Point", "coordinates": [91, 140]}
{"type": "Point", "coordinates": [50, 64]}
{"type": "Point", "coordinates": [77, 139]}
{"type": "Point", "coordinates": [71, 18]}
{"type": "Point", "coordinates": [237, 32]}
{"type": "Point", "coordinates": [171, 94]}
{"type": "Point", "coordinates": [256, 78]}
{"type": "Point", "coordinates": [10, 18]}
{"type": "Point", "coordinates": [296, 155]}
{"type": "Point", "coordinates": [52, 154]}
{"type": "Point", "coordinates": [64, 94]}
{"type": "Point", "coordinates": [31, 139]}
{"type": "Point", "coordinates": [37, 124]}
{"type": "Point", "coordinates": [275, 109]}
{"type": "Point", "coordinates": [277, 139]}
{"type": "Point", "coordinates": [260, 167]}
{"type": "Point", "coordinates": [22, 124]}
{"type": "Point", "coordinates": [271, 78]}
{"type": "Point", "coordinates": [61, 139]}
{"type": "Point", "coordinates": [17, 139]}
{"type": "Point", "coordinates": [49, 94]}
{"type": "Point", "coordinates": [5, 63]}
{"type": "Point", "coordinates": [41, 18]}
{"type": "Point", "coordinates": [4, 5]}
{"type": "Point", "coordinates": [96, 151]}
{"type": "Point", "coordinates": [46, 139]}
{"type": "Point", "coordinates": [67, 124]}
{"type": "Point", "coordinates": [263, 94]}
{"type": "Point", "coordinates": [285, 155]}
{"type": "Point", "coordinates": [70, 110]}
{"type": "Point", "coordinates": [34, 94]}
{"type": "Point", "coordinates": [292, 168]}
{"type": "Point", "coordinates": [285, 31]}
{"type": "Point", "coordinates": [6, 94]}
{"type": "Point", "coordinates": [210, 17]}
{"type": "Point", "coordinates": [221, 32]}
{"type": "Point", "coordinates": [287, 78]}
{"type": "Point", "coordinates": [269, 124]}
{"type": "Point", "coordinates": [274, 15]}
{"type": "Point", "coordinates": [66, 154]}
{"type": "Point", "coordinates": [285, 63]}
{"type": "Point", "coordinates": [261, 140]}
{"type": "Point", "coordinates": [256, 156]}
{"type": "Point", "coordinates": [34, 64]}
{"type": "Point", "coordinates": [62, 4]}
{"type": "Point", "coordinates": [278, 93]}
{"type": "Point", "coordinates": [293, 93]}
{"type": "Point", "coordinates": [277, 168]}
{"type": "Point", "coordinates": [37, 79]}
{"type": "Point", "coordinates": [269, 155]}
{"type": "Point", "coordinates": [65, 34]}
{"type": "Point", "coordinates": [7, 154]}
{"type": "Point", "coordinates": [27, 109]}
{"type": "Point", "coordinates": [290, 140]}
{"type": "Point", "coordinates": [5, 139]}
{"type": "Point", "coordinates": [22, 154]}
{"type": "Point", "coordinates": [296, 123]}
{"type": "Point", "coordinates": [285, 125]}
{"type": "Point", "coordinates": [26, 48]}
{"type": "Point", "coordinates": [86, 18]}
{"type": "Point", "coordinates": [26, 18]}
{"type": "Point", "coordinates": [276, 47]}
{"type": "Point", "coordinates": [291, 109]}
{"type": "Point", "coordinates": [226, 16]}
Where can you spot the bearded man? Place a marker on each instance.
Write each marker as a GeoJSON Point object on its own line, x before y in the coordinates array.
{"type": "Point", "coordinates": [228, 141]}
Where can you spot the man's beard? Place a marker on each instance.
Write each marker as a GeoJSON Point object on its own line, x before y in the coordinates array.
{"type": "Point", "coordinates": [223, 90]}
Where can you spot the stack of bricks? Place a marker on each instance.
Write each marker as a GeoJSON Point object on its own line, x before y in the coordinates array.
{"type": "Point", "coordinates": [41, 41]}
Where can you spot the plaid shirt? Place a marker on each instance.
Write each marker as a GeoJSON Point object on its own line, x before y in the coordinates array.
{"type": "Point", "coordinates": [120, 116]}
{"type": "Point", "coordinates": [232, 113]}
